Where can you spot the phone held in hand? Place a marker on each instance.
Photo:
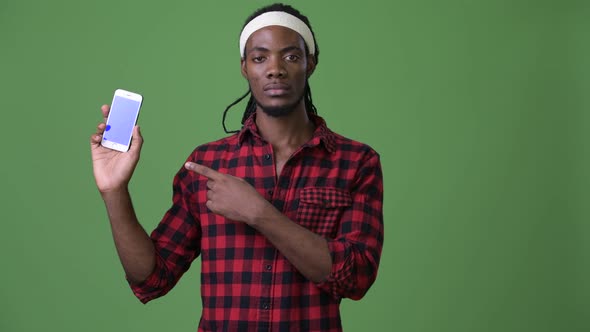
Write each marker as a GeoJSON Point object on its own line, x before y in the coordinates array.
{"type": "Point", "coordinates": [122, 118]}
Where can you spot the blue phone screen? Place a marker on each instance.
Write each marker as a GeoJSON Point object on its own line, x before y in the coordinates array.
{"type": "Point", "coordinates": [121, 120]}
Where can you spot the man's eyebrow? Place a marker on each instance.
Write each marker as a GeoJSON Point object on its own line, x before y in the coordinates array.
{"type": "Point", "coordinates": [291, 48]}
{"type": "Point", "coordinates": [284, 50]}
{"type": "Point", "coordinates": [258, 49]}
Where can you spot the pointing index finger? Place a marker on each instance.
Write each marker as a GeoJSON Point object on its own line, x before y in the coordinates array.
{"type": "Point", "coordinates": [203, 170]}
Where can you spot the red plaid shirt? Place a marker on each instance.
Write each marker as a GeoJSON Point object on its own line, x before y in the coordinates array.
{"type": "Point", "coordinates": [332, 186]}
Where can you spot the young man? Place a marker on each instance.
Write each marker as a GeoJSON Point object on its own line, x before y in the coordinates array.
{"type": "Point", "coordinates": [285, 214]}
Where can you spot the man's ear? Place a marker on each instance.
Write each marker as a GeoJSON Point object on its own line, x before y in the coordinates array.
{"type": "Point", "coordinates": [310, 65]}
{"type": "Point", "coordinates": [243, 66]}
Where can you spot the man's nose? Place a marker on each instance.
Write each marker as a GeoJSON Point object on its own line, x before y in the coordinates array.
{"type": "Point", "coordinates": [275, 69]}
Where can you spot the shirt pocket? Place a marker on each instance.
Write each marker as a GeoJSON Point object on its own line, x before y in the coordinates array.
{"type": "Point", "coordinates": [320, 209]}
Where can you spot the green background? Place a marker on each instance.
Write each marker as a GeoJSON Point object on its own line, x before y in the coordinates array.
{"type": "Point", "coordinates": [479, 110]}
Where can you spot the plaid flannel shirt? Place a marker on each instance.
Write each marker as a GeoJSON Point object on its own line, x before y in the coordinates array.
{"type": "Point", "coordinates": [331, 185]}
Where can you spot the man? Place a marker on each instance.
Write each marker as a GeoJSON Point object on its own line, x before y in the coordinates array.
{"type": "Point", "coordinates": [285, 214]}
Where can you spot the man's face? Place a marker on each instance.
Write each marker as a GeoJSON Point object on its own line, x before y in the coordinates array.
{"type": "Point", "coordinates": [277, 68]}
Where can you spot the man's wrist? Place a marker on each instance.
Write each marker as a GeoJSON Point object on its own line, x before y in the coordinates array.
{"type": "Point", "coordinates": [114, 194]}
{"type": "Point", "coordinates": [267, 212]}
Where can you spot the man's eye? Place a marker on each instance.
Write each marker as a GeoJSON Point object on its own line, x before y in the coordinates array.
{"type": "Point", "coordinates": [258, 59]}
{"type": "Point", "coordinates": [292, 57]}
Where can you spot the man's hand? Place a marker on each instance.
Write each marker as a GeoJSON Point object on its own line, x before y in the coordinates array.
{"type": "Point", "coordinates": [231, 197]}
{"type": "Point", "coordinates": [113, 169]}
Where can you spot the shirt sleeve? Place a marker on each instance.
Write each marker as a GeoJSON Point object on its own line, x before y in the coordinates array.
{"type": "Point", "coordinates": [356, 250]}
{"type": "Point", "coordinates": [176, 240]}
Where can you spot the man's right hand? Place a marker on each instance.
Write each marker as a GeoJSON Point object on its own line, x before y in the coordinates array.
{"type": "Point", "coordinates": [113, 169]}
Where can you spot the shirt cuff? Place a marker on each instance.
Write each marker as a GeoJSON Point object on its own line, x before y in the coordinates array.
{"type": "Point", "coordinates": [336, 283]}
{"type": "Point", "coordinates": [148, 289]}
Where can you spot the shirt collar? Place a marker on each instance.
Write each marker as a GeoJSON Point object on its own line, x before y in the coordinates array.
{"type": "Point", "coordinates": [322, 133]}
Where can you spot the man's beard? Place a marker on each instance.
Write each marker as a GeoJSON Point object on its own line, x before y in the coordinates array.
{"type": "Point", "coordinates": [279, 111]}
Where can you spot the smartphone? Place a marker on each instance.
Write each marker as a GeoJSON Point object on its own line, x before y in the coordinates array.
{"type": "Point", "coordinates": [122, 118]}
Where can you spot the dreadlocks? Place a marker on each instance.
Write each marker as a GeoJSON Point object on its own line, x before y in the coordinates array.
{"type": "Point", "coordinates": [251, 106]}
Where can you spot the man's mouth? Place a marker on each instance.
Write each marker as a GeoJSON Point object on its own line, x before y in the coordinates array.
{"type": "Point", "coordinates": [276, 89]}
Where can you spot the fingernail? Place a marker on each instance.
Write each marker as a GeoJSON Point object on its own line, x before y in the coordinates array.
{"type": "Point", "coordinates": [188, 165]}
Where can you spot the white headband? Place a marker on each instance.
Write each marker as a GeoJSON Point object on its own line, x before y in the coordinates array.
{"type": "Point", "coordinates": [277, 18]}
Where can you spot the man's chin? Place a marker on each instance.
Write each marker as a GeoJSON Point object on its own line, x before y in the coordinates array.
{"type": "Point", "coordinates": [282, 109]}
{"type": "Point", "coordinates": [277, 111]}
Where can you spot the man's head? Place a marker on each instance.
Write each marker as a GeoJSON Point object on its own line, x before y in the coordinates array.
{"type": "Point", "coordinates": [281, 15]}
{"type": "Point", "coordinates": [279, 53]}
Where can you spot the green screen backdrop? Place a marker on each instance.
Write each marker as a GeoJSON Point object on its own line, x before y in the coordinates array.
{"type": "Point", "coordinates": [479, 109]}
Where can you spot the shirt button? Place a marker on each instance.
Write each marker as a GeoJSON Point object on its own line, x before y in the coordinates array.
{"type": "Point", "coordinates": [267, 156]}
{"type": "Point", "coordinates": [270, 192]}
{"type": "Point", "coordinates": [265, 306]}
{"type": "Point", "coordinates": [268, 267]}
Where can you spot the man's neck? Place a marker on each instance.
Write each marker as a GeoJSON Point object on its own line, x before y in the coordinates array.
{"type": "Point", "coordinates": [286, 132]}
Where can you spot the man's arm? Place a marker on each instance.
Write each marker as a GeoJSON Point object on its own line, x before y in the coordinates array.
{"type": "Point", "coordinates": [112, 173]}
{"type": "Point", "coordinates": [134, 246]}
{"type": "Point", "coordinates": [345, 266]}
{"type": "Point", "coordinates": [356, 249]}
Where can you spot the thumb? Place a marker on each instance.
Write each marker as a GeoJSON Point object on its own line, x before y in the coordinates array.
{"type": "Point", "coordinates": [137, 141]}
